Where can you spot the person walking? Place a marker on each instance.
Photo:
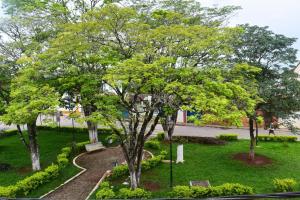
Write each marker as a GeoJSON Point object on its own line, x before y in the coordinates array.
{"type": "Point", "coordinates": [272, 129]}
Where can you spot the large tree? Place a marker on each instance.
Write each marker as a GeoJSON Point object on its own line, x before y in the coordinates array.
{"type": "Point", "coordinates": [154, 68]}
{"type": "Point", "coordinates": [278, 85]}
{"type": "Point", "coordinates": [276, 56]}
{"type": "Point", "coordinates": [29, 99]}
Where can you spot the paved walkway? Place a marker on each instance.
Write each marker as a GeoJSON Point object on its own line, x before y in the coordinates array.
{"type": "Point", "coordinates": [214, 131]}
{"type": "Point", "coordinates": [97, 164]}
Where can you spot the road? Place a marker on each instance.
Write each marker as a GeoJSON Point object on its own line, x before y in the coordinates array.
{"type": "Point", "coordinates": [182, 130]}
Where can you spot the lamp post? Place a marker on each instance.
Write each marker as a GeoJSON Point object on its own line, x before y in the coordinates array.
{"type": "Point", "coordinates": [169, 124]}
{"type": "Point", "coordinates": [171, 162]}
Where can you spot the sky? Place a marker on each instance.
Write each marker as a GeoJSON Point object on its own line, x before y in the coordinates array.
{"type": "Point", "coordinates": [282, 16]}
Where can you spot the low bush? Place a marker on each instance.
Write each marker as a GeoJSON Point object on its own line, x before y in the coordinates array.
{"type": "Point", "coordinates": [272, 138]}
{"type": "Point", "coordinates": [154, 161]}
{"type": "Point", "coordinates": [227, 189]}
{"type": "Point", "coordinates": [228, 137]}
{"type": "Point", "coordinates": [9, 191]}
{"type": "Point", "coordinates": [153, 144]}
{"type": "Point", "coordinates": [230, 189]}
{"type": "Point", "coordinates": [76, 130]}
{"type": "Point", "coordinates": [105, 193]}
{"type": "Point", "coordinates": [200, 192]}
{"type": "Point", "coordinates": [61, 155]}
{"type": "Point", "coordinates": [126, 193]}
{"type": "Point", "coordinates": [62, 158]}
{"type": "Point", "coordinates": [200, 140]}
{"type": "Point", "coordinates": [119, 171]}
{"type": "Point", "coordinates": [113, 138]}
{"type": "Point", "coordinates": [8, 133]}
{"type": "Point", "coordinates": [104, 184]}
{"type": "Point", "coordinates": [160, 136]}
{"type": "Point", "coordinates": [81, 145]}
{"type": "Point", "coordinates": [182, 191]}
{"type": "Point", "coordinates": [284, 185]}
{"type": "Point", "coordinates": [122, 170]}
{"type": "Point", "coordinates": [32, 182]}
{"type": "Point", "coordinates": [63, 162]}
{"type": "Point", "coordinates": [66, 150]}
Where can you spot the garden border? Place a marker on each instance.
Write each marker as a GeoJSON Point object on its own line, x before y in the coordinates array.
{"type": "Point", "coordinates": [70, 179]}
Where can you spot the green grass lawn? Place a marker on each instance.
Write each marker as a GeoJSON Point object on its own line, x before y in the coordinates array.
{"type": "Point", "coordinates": [13, 152]}
{"type": "Point", "coordinates": [215, 163]}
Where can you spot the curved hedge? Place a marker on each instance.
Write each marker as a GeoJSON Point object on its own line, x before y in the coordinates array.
{"type": "Point", "coordinates": [277, 138]}
{"type": "Point", "coordinates": [30, 183]}
{"type": "Point", "coordinates": [227, 189]}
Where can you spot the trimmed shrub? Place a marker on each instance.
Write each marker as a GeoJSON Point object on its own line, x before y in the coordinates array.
{"type": "Point", "coordinates": [200, 140]}
{"type": "Point", "coordinates": [66, 150]}
{"type": "Point", "coordinates": [199, 192]}
{"type": "Point", "coordinates": [63, 162]}
{"type": "Point", "coordinates": [153, 144]}
{"type": "Point", "coordinates": [154, 161]}
{"type": "Point", "coordinates": [52, 170]}
{"type": "Point", "coordinates": [279, 138]}
{"type": "Point", "coordinates": [81, 145]}
{"type": "Point", "coordinates": [230, 189]}
{"type": "Point", "coordinates": [126, 193]}
{"type": "Point", "coordinates": [227, 189]}
{"type": "Point", "coordinates": [160, 136]}
{"type": "Point", "coordinates": [8, 133]}
{"type": "Point", "coordinates": [104, 184]}
{"type": "Point", "coordinates": [62, 155]}
{"type": "Point", "coordinates": [9, 191]}
{"type": "Point", "coordinates": [105, 193]}
{"type": "Point", "coordinates": [120, 170]}
{"type": "Point", "coordinates": [284, 185]}
{"type": "Point", "coordinates": [228, 137]}
{"type": "Point", "coordinates": [76, 130]}
{"type": "Point", "coordinates": [182, 192]}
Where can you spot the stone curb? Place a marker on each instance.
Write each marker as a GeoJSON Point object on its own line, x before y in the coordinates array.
{"type": "Point", "coordinates": [106, 174]}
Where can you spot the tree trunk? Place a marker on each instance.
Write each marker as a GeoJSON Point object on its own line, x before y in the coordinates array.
{"type": "Point", "coordinates": [256, 130]}
{"type": "Point", "coordinates": [252, 139]}
{"type": "Point", "coordinates": [93, 132]}
{"type": "Point", "coordinates": [92, 127]}
{"type": "Point", "coordinates": [33, 145]}
{"type": "Point", "coordinates": [132, 171]}
{"type": "Point", "coordinates": [139, 162]}
{"type": "Point", "coordinates": [165, 128]}
{"type": "Point", "coordinates": [133, 181]}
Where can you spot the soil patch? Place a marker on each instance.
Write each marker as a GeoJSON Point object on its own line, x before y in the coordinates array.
{"type": "Point", "coordinates": [5, 167]}
{"type": "Point", "coordinates": [151, 186]}
{"type": "Point", "coordinates": [24, 170]}
{"type": "Point", "coordinates": [259, 160]}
